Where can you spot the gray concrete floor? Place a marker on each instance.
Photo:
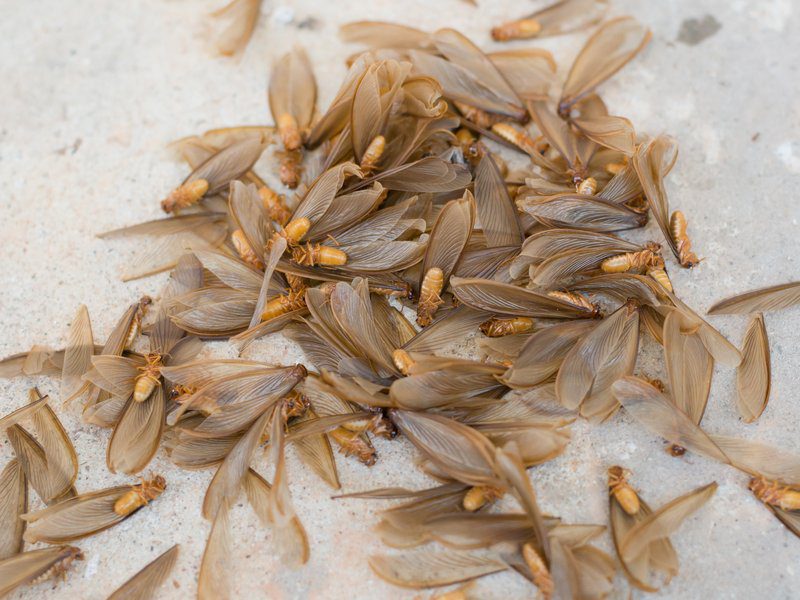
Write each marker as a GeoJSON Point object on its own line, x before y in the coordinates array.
{"type": "Point", "coordinates": [94, 90]}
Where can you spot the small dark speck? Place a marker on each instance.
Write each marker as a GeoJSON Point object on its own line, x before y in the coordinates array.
{"type": "Point", "coordinates": [756, 135]}
{"type": "Point", "coordinates": [694, 31]}
{"type": "Point", "coordinates": [308, 23]}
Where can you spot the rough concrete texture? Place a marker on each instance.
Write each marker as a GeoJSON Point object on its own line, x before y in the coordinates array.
{"type": "Point", "coordinates": [93, 91]}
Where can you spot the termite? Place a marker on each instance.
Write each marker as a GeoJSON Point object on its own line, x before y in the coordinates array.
{"type": "Point", "coordinates": [283, 304]}
{"type": "Point", "coordinates": [295, 230]}
{"type": "Point", "coordinates": [623, 493]}
{"type": "Point", "coordinates": [479, 496]}
{"type": "Point", "coordinates": [587, 187]}
{"type": "Point", "coordinates": [139, 495]}
{"type": "Point", "coordinates": [495, 327]}
{"type": "Point", "coordinates": [275, 205]}
{"type": "Point", "coordinates": [352, 444]}
{"type": "Point", "coordinates": [60, 567]}
{"type": "Point", "coordinates": [517, 137]}
{"type": "Point", "coordinates": [136, 325]}
{"type": "Point", "coordinates": [402, 360]}
{"type": "Point", "coordinates": [775, 494]}
{"type": "Point", "coordinates": [245, 250]}
{"type": "Point", "coordinates": [291, 168]}
{"type": "Point", "coordinates": [575, 299]}
{"type": "Point", "coordinates": [430, 296]}
{"type": "Point", "coordinates": [649, 257]}
{"type": "Point", "coordinates": [373, 153]}
{"type": "Point", "coordinates": [659, 275]}
{"type": "Point", "coordinates": [480, 117]}
{"type": "Point", "coordinates": [295, 404]}
{"type": "Point", "coordinates": [317, 254]}
{"type": "Point", "coordinates": [541, 574]}
{"type": "Point", "coordinates": [677, 229]}
{"type": "Point", "coordinates": [149, 377]}
{"type": "Point", "coordinates": [185, 195]}
{"type": "Point", "coordinates": [521, 29]}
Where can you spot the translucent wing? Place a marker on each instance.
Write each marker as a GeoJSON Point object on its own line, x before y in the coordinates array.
{"type": "Point", "coordinates": [146, 582]}
{"type": "Point", "coordinates": [427, 568]}
{"type": "Point", "coordinates": [496, 211]}
{"type": "Point", "coordinates": [26, 567]}
{"type": "Point", "coordinates": [213, 580]}
{"type": "Point", "coordinates": [137, 434]}
{"type": "Point", "coordinates": [242, 17]}
{"type": "Point", "coordinates": [77, 355]}
{"type": "Point", "coordinates": [776, 297]}
{"type": "Point", "coordinates": [292, 88]}
{"type": "Point", "coordinates": [689, 366]}
{"type": "Point", "coordinates": [449, 236]}
{"type": "Point", "coordinates": [13, 503]}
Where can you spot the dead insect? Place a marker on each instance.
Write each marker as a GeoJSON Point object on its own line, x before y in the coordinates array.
{"type": "Point", "coordinates": [659, 274]}
{"type": "Point", "coordinates": [352, 443]}
{"type": "Point", "coordinates": [318, 254]}
{"type": "Point", "coordinates": [402, 360]}
{"type": "Point", "coordinates": [538, 568]}
{"type": "Point", "coordinates": [775, 494]}
{"type": "Point", "coordinates": [649, 257]}
{"type": "Point", "coordinates": [185, 195]}
{"type": "Point", "coordinates": [517, 137]}
{"type": "Point", "coordinates": [294, 405]}
{"type": "Point", "coordinates": [283, 304]}
{"type": "Point", "coordinates": [245, 250]}
{"type": "Point", "coordinates": [295, 230]}
{"type": "Point", "coordinates": [430, 296]}
{"type": "Point", "coordinates": [619, 487]}
{"type": "Point", "coordinates": [91, 512]}
{"type": "Point", "coordinates": [149, 376]}
{"type": "Point", "coordinates": [479, 496]}
{"type": "Point", "coordinates": [36, 566]}
{"type": "Point", "coordinates": [677, 229]}
{"type": "Point", "coordinates": [291, 168]}
{"type": "Point", "coordinates": [587, 187]}
{"type": "Point", "coordinates": [481, 118]}
{"type": "Point", "coordinates": [576, 299]}
{"type": "Point", "coordinates": [275, 205]}
{"type": "Point", "coordinates": [373, 153]}
{"type": "Point", "coordinates": [521, 29]}
{"type": "Point", "coordinates": [495, 327]}
{"type": "Point", "coordinates": [136, 324]}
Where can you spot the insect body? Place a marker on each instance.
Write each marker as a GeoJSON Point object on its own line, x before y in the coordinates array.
{"type": "Point", "coordinates": [373, 153]}
{"type": "Point", "coordinates": [402, 360]}
{"type": "Point", "coordinates": [541, 574]}
{"type": "Point", "coordinates": [430, 296]}
{"type": "Point", "coordinates": [495, 327]}
{"type": "Point", "coordinates": [623, 493]}
{"type": "Point", "coordinates": [136, 325]}
{"type": "Point", "coordinates": [295, 404]}
{"type": "Point", "coordinates": [649, 257]}
{"type": "Point", "coordinates": [677, 229]}
{"type": "Point", "coordinates": [289, 132]}
{"type": "Point", "coordinates": [275, 205]}
{"type": "Point", "coordinates": [587, 187]}
{"type": "Point", "coordinates": [352, 444]}
{"type": "Point", "coordinates": [185, 195]}
{"type": "Point", "coordinates": [661, 277]}
{"type": "Point", "coordinates": [139, 495]}
{"type": "Point", "coordinates": [480, 117]}
{"type": "Point", "coordinates": [576, 299]}
{"type": "Point", "coordinates": [149, 377]}
{"type": "Point", "coordinates": [479, 496]}
{"type": "Point", "coordinates": [61, 566]}
{"type": "Point", "coordinates": [521, 29]}
{"type": "Point", "coordinates": [295, 230]}
{"type": "Point", "coordinates": [317, 254]}
{"type": "Point", "coordinates": [775, 494]}
{"type": "Point", "coordinates": [284, 304]}
{"type": "Point", "coordinates": [291, 168]}
{"type": "Point", "coordinates": [517, 137]}
{"type": "Point", "coordinates": [245, 251]}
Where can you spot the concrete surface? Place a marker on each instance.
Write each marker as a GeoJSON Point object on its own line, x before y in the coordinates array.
{"type": "Point", "coordinates": [92, 92]}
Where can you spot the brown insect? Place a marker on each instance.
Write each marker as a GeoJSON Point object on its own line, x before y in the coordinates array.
{"type": "Point", "coordinates": [773, 493]}
{"type": "Point", "coordinates": [495, 327]}
{"type": "Point", "coordinates": [587, 187]}
{"type": "Point", "coordinates": [538, 568]}
{"type": "Point", "coordinates": [140, 495]}
{"type": "Point", "coordinates": [351, 443]}
{"type": "Point", "coordinates": [624, 494]}
{"type": "Point", "coordinates": [275, 205]}
{"type": "Point", "coordinates": [649, 257]}
{"type": "Point", "coordinates": [521, 29]}
{"type": "Point", "coordinates": [136, 324]}
{"type": "Point", "coordinates": [518, 137]}
{"type": "Point", "coordinates": [402, 360]}
{"type": "Point", "coordinates": [291, 168]}
{"type": "Point", "coordinates": [295, 230]}
{"type": "Point", "coordinates": [575, 299]}
{"type": "Point", "coordinates": [294, 405]}
{"type": "Point", "coordinates": [289, 132]}
{"type": "Point", "coordinates": [244, 250]}
{"type": "Point", "coordinates": [430, 296]}
{"type": "Point", "coordinates": [185, 195]}
{"type": "Point", "coordinates": [677, 229]}
{"type": "Point", "coordinates": [479, 496]}
{"type": "Point", "coordinates": [283, 304]}
{"type": "Point", "coordinates": [659, 274]}
{"type": "Point", "coordinates": [148, 378]}
{"type": "Point", "coordinates": [318, 254]}
{"type": "Point", "coordinates": [373, 153]}
{"type": "Point", "coordinates": [481, 118]}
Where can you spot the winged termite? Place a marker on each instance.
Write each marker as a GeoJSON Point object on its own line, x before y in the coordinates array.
{"type": "Point", "coordinates": [641, 538]}
{"type": "Point", "coordinates": [621, 490]}
{"type": "Point", "coordinates": [579, 211]}
{"type": "Point", "coordinates": [449, 237]}
{"type": "Point", "coordinates": [648, 258]}
{"type": "Point", "coordinates": [753, 374]}
{"type": "Point", "coordinates": [146, 582]}
{"type": "Point", "coordinates": [36, 566]}
{"type": "Point", "coordinates": [561, 17]}
{"type": "Point", "coordinates": [501, 327]}
{"type": "Point", "coordinates": [603, 355]}
{"type": "Point", "coordinates": [214, 175]}
{"type": "Point", "coordinates": [13, 503]}
{"type": "Point", "coordinates": [242, 17]}
{"type": "Point", "coordinates": [90, 513]}
{"type": "Point", "coordinates": [767, 299]}
{"type": "Point", "coordinates": [611, 47]}
{"type": "Point", "coordinates": [518, 137]}
{"type": "Point", "coordinates": [677, 230]}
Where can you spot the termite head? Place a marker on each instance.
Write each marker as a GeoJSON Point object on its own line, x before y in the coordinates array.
{"type": "Point", "coordinates": [617, 475]}
{"type": "Point", "coordinates": [144, 302]}
{"type": "Point", "coordinates": [73, 553]}
{"type": "Point", "coordinates": [295, 404]}
{"type": "Point", "coordinates": [299, 371]}
{"type": "Point", "coordinates": [676, 450]}
{"type": "Point", "coordinates": [150, 489]}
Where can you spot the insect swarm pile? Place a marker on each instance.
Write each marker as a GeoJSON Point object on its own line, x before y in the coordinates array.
{"type": "Point", "coordinates": [407, 232]}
